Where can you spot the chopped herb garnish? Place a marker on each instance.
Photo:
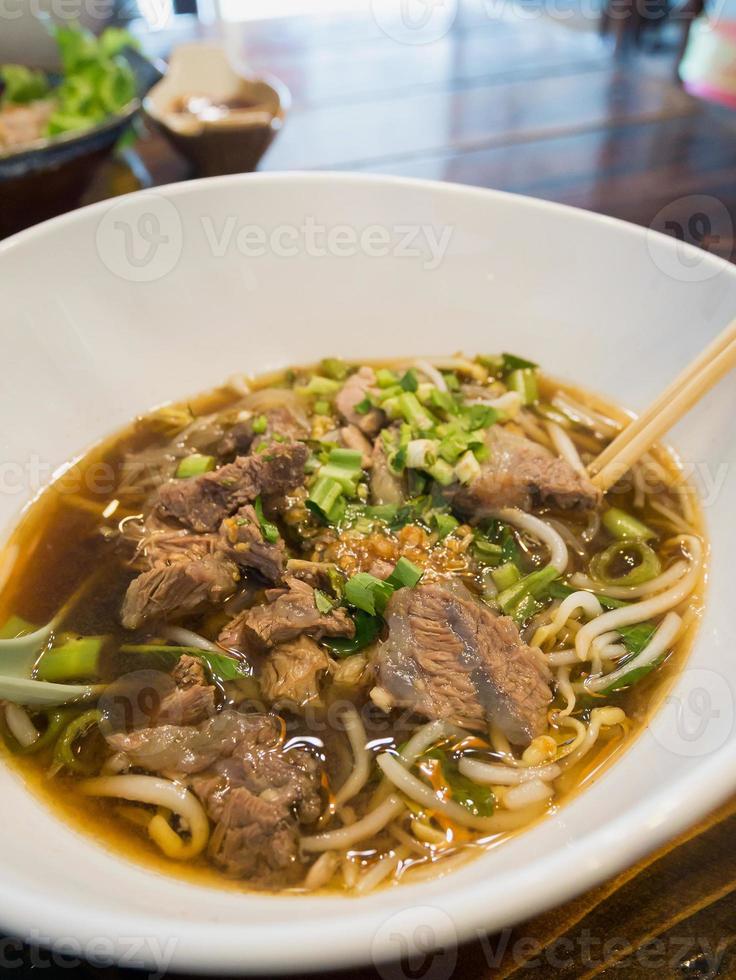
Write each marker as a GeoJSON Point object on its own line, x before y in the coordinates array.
{"type": "Point", "coordinates": [269, 531]}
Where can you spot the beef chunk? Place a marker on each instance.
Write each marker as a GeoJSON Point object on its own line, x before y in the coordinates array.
{"type": "Point", "coordinates": [351, 394]}
{"type": "Point", "coordinates": [202, 502]}
{"type": "Point", "coordinates": [193, 698]}
{"type": "Point", "coordinates": [291, 612]}
{"type": "Point", "coordinates": [256, 793]}
{"type": "Point", "coordinates": [292, 671]}
{"type": "Point", "coordinates": [177, 588]}
{"type": "Point", "coordinates": [448, 656]}
{"type": "Point", "coordinates": [243, 541]}
{"type": "Point", "coordinates": [280, 424]}
{"type": "Point", "coordinates": [520, 473]}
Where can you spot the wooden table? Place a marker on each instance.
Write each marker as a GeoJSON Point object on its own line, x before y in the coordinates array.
{"type": "Point", "coordinates": [542, 109]}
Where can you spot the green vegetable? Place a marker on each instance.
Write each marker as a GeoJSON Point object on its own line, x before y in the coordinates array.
{"type": "Point", "coordinates": [75, 660]}
{"type": "Point", "coordinates": [96, 81]}
{"type": "Point", "coordinates": [367, 628]}
{"type": "Point", "coordinates": [442, 472]}
{"type": "Point", "coordinates": [506, 575]}
{"type": "Point", "coordinates": [259, 425]}
{"type": "Point", "coordinates": [194, 465]}
{"type": "Point", "coordinates": [512, 362]}
{"type": "Point", "coordinates": [366, 592]}
{"type": "Point", "coordinates": [22, 85]}
{"type": "Point", "coordinates": [632, 677]}
{"type": "Point", "coordinates": [479, 800]}
{"type": "Point", "coordinates": [485, 551]}
{"type": "Point", "coordinates": [635, 637]}
{"type": "Point", "coordinates": [320, 386]}
{"type": "Point", "coordinates": [163, 657]}
{"type": "Point", "coordinates": [411, 409]}
{"type": "Point", "coordinates": [322, 408]}
{"type": "Point", "coordinates": [16, 627]}
{"type": "Point", "coordinates": [409, 381]}
{"type": "Point", "coordinates": [534, 585]}
{"type": "Point", "coordinates": [405, 574]}
{"type": "Point", "coordinates": [626, 527]}
{"type": "Point", "coordinates": [56, 720]}
{"type": "Point", "coordinates": [335, 368]}
{"type": "Point", "coordinates": [269, 531]}
{"type": "Point", "coordinates": [444, 523]}
{"type": "Point", "coordinates": [326, 500]}
{"type": "Point", "coordinates": [524, 380]}
{"type": "Point", "coordinates": [637, 562]}
{"type": "Point", "coordinates": [323, 602]}
{"type": "Point", "coordinates": [386, 378]}
{"type": "Point", "coordinates": [75, 731]}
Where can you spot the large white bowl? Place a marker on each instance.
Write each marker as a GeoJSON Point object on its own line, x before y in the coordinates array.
{"type": "Point", "coordinates": [115, 308]}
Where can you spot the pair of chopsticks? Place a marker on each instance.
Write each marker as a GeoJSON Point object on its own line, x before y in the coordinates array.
{"type": "Point", "coordinates": [688, 388]}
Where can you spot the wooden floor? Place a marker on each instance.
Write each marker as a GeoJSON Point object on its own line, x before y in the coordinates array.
{"type": "Point", "coordinates": [523, 104]}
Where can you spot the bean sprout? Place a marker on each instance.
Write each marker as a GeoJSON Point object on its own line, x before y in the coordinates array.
{"type": "Point", "coordinates": [566, 447]}
{"type": "Point", "coordinates": [538, 529]}
{"type": "Point", "coordinates": [20, 725]}
{"type": "Point", "coordinates": [527, 793]}
{"type": "Point", "coordinates": [362, 757]}
{"type": "Point", "coordinates": [159, 792]}
{"type": "Point", "coordinates": [577, 602]}
{"type": "Point", "coordinates": [431, 372]}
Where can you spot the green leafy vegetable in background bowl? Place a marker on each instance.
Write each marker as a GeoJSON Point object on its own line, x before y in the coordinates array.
{"type": "Point", "coordinates": [96, 82]}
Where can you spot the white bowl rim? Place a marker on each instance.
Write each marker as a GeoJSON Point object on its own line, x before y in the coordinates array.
{"type": "Point", "coordinates": [208, 947]}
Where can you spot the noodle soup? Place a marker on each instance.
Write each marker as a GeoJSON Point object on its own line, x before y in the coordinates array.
{"type": "Point", "coordinates": [346, 625]}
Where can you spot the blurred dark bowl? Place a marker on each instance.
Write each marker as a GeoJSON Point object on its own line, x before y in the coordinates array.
{"type": "Point", "coordinates": [48, 177]}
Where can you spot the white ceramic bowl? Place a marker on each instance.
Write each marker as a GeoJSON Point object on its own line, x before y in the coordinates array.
{"type": "Point", "coordinates": [115, 308]}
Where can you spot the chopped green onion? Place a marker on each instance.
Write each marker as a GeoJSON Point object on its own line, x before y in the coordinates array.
{"type": "Point", "coordinates": [524, 380]}
{"type": "Point", "coordinates": [468, 468]}
{"type": "Point", "coordinates": [320, 386]}
{"type": "Point", "coordinates": [409, 381]}
{"type": "Point", "coordinates": [405, 575]}
{"type": "Point", "coordinates": [444, 524]}
{"type": "Point", "coordinates": [366, 592]}
{"type": "Point", "coordinates": [335, 368]}
{"type": "Point", "coordinates": [56, 720]}
{"type": "Point", "coordinates": [324, 497]}
{"type": "Point", "coordinates": [451, 380]}
{"type": "Point", "coordinates": [384, 512]}
{"type": "Point", "coordinates": [411, 409]}
{"type": "Point", "coordinates": [195, 465]}
{"type": "Point", "coordinates": [421, 453]}
{"type": "Point", "coordinates": [485, 551]}
{"type": "Point", "coordinates": [79, 728]}
{"type": "Point", "coordinates": [269, 531]}
{"type": "Point", "coordinates": [506, 575]}
{"type": "Point", "coordinates": [493, 363]}
{"type": "Point", "coordinates": [323, 602]}
{"type": "Point", "coordinates": [479, 416]}
{"type": "Point", "coordinates": [364, 406]}
{"type": "Point", "coordinates": [322, 408]}
{"type": "Point", "coordinates": [76, 660]}
{"type": "Point", "coordinates": [260, 424]}
{"type": "Point", "coordinates": [637, 562]}
{"type": "Point", "coordinates": [386, 378]}
{"type": "Point", "coordinates": [386, 394]}
{"type": "Point", "coordinates": [442, 472]}
{"type": "Point", "coordinates": [624, 526]}
{"type": "Point", "coordinates": [533, 584]}
{"type": "Point", "coordinates": [16, 627]}
{"type": "Point", "coordinates": [512, 362]}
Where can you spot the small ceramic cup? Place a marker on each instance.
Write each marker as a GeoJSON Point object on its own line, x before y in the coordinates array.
{"type": "Point", "coordinates": [220, 120]}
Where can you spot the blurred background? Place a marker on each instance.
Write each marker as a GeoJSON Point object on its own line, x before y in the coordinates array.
{"type": "Point", "coordinates": [625, 107]}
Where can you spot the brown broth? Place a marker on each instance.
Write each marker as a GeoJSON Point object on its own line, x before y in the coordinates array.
{"type": "Point", "coordinates": [57, 545]}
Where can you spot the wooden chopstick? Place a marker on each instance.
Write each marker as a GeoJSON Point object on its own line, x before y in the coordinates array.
{"type": "Point", "coordinates": [713, 349]}
{"type": "Point", "coordinates": [641, 434]}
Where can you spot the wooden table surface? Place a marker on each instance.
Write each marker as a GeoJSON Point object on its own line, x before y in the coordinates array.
{"type": "Point", "coordinates": [530, 106]}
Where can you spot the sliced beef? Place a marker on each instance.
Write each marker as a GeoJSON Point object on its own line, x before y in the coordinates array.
{"type": "Point", "coordinates": [279, 423]}
{"type": "Point", "coordinates": [353, 438]}
{"type": "Point", "coordinates": [386, 487]}
{"type": "Point", "coordinates": [292, 671]}
{"type": "Point", "coordinates": [202, 502]}
{"type": "Point", "coordinates": [352, 393]}
{"type": "Point", "coordinates": [521, 473]}
{"type": "Point", "coordinates": [256, 793]}
{"type": "Point", "coordinates": [243, 541]}
{"type": "Point", "coordinates": [289, 613]}
{"type": "Point", "coordinates": [177, 588]}
{"type": "Point", "coordinates": [193, 698]}
{"type": "Point", "coordinates": [448, 656]}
